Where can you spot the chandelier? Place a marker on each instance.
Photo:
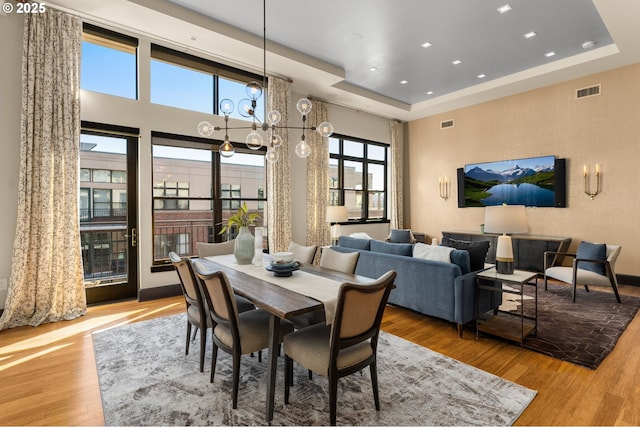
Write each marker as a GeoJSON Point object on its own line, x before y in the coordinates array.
{"type": "Point", "coordinates": [271, 122]}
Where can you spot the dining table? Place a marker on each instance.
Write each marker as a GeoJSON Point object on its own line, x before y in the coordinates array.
{"type": "Point", "coordinates": [282, 298]}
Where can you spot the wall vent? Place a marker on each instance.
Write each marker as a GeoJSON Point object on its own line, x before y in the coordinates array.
{"type": "Point", "coordinates": [588, 91]}
{"type": "Point", "coordinates": [446, 124]}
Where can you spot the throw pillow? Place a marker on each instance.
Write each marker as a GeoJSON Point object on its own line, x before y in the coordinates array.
{"type": "Point", "coordinates": [597, 251]}
{"type": "Point", "coordinates": [477, 250]}
{"type": "Point", "coordinates": [434, 253]}
{"type": "Point", "coordinates": [353, 243]}
{"type": "Point", "coordinates": [404, 249]}
{"type": "Point", "coordinates": [401, 236]}
{"type": "Point", "coordinates": [360, 235]}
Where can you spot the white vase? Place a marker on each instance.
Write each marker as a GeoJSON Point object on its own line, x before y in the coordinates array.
{"type": "Point", "coordinates": [244, 246]}
{"type": "Point", "coordinates": [257, 257]}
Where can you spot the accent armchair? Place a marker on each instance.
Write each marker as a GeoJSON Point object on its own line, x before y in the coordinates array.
{"type": "Point", "coordinates": [593, 264]}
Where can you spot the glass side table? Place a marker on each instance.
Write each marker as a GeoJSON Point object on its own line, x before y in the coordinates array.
{"type": "Point", "coordinates": [511, 325]}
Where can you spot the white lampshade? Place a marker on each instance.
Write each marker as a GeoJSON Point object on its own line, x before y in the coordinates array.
{"type": "Point", "coordinates": [337, 214]}
{"type": "Point", "coordinates": [505, 219]}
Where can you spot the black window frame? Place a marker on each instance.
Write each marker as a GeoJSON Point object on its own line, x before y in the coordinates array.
{"type": "Point", "coordinates": [341, 158]}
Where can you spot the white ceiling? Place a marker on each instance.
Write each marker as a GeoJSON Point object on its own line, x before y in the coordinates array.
{"type": "Point", "coordinates": [328, 47]}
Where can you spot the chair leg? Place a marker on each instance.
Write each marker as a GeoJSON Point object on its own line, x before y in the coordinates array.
{"type": "Point", "coordinates": [260, 356]}
{"type": "Point", "coordinates": [613, 281]}
{"type": "Point", "coordinates": [203, 347]}
{"type": "Point", "coordinates": [374, 384]}
{"type": "Point", "coordinates": [310, 374]}
{"type": "Point", "coordinates": [333, 398]}
{"type": "Point", "coordinates": [545, 281]}
{"type": "Point", "coordinates": [288, 363]}
{"type": "Point", "coordinates": [236, 378]}
{"type": "Point", "coordinates": [574, 283]}
{"type": "Point", "coordinates": [186, 348]}
{"type": "Point", "coordinates": [214, 358]}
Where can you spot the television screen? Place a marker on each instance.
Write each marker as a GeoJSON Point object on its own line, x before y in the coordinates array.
{"type": "Point", "coordinates": [529, 182]}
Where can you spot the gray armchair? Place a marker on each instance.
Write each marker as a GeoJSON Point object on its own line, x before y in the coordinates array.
{"type": "Point", "coordinates": [579, 275]}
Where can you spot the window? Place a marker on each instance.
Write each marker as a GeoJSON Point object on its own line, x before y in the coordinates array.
{"type": "Point", "coordinates": [358, 177]}
{"type": "Point", "coordinates": [195, 191]}
{"type": "Point", "coordinates": [230, 191]}
{"type": "Point", "coordinates": [191, 83]}
{"type": "Point", "coordinates": [169, 195]}
{"type": "Point", "coordinates": [108, 62]}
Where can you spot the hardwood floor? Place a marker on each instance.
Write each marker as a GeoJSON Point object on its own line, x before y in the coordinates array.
{"type": "Point", "coordinates": [48, 374]}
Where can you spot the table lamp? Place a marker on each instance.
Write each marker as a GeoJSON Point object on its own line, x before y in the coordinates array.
{"type": "Point", "coordinates": [336, 214]}
{"type": "Point", "coordinates": [506, 220]}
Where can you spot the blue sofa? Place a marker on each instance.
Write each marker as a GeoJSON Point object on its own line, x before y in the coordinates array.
{"type": "Point", "coordinates": [435, 288]}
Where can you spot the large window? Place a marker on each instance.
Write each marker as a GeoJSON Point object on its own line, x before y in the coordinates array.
{"type": "Point", "coordinates": [109, 62]}
{"type": "Point", "coordinates": [191, 83]}
{"type": "Point", "coordinates": [358, 177]}
{"type": "Point", "coordinates": [195, 191]}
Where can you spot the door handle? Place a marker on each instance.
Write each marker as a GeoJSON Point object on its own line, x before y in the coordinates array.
{"type": "Point", "coordinates": [133, 236]}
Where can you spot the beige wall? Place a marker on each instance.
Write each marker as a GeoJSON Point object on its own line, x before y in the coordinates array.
{"type": "Point", "coordinates": [602, 129]}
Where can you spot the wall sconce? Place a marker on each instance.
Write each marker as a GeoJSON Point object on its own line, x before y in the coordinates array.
{"type": "Point", "coordinates": [445, 187]}
{"type": "Point", "coordinates": [587, 186]}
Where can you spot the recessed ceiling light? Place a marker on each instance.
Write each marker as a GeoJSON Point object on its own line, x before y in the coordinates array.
{"type": "Point", "coordinates": [482, 76]}
{"type": "Point", "coordinates": [373, 69]}
{"type": "Point", "coordinates": [426, 44]}
{"type": "Point", "coordinates": [588, 44]}
{"type": "Point", "coordinates": [403, 82]}
{"type": "Point", "coordinates": [503, 9]}
{"type": "Point", "coordinates": [530, 34]}
{"type": "Point", "coordinates": [549, 54]}
{"type": "Point", "coordinates": [456, 62]}
{"type": "Point", "coordinates": [430, 92]}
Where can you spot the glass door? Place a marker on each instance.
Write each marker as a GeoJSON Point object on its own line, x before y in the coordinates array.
{"type": "Point", "coordinates": [108, 201]}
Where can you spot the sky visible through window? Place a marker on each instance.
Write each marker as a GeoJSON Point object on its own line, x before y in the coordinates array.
{"type": "Point", "coordinates": [114, 72]}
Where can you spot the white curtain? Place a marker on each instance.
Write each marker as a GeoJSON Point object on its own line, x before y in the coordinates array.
{"type": "Point", "coordinates": [397, 176]}
{"type": "Point", "coordinates": [318, 231]}
{"type": "Point", "coordinates": [46, 282]}
{"type": "Point", "coordinates": [279, 173]}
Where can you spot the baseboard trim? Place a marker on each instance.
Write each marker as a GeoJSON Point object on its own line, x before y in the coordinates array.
{"type": "Point", "coordinates": [159, 292]}
{"type": "Point", "coordinates": [627, 279]}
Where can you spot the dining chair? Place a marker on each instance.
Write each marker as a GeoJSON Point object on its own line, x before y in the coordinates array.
{"type": "Point", "coordinates": [344, 262]}
{"type": "Point", "coordinates": [196, 305]}
{"type": "Point", "coordinates": [593, 264]}
{"type": "Point", "coordinates": [303, 254]}
{"type": "Point", "coordinates": [213, 249]}
{"type": "Point", "coordinates": [333, 260]}
{"type": "Point", "coordinates": [234, 332]}
{"type": "Point", "coordinates": [346, 346]}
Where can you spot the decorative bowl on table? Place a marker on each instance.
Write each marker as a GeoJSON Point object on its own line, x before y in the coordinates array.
{"type": "Point", "coordinates": [282, 257]}
{"type": "Point", "coordinates": [282, 269]}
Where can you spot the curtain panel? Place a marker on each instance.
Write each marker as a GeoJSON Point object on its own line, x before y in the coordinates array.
{"type": "Point", "coordinates": [318, 230]}
{"type": "Point", "coordinates": [397, 177]}
{"type": "Point", "coordinates": [46, 282]}
{"type": "Point", "coordinates": [279, 173]}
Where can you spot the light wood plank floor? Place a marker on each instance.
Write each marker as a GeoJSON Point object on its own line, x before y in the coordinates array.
{"type": "Point", "coordinates": [48, 374]}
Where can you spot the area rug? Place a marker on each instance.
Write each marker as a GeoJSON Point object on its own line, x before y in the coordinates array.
{"type": "Point", "coordinates": [146, 379]}
{"type": "Point", "coordinates": [584, 332]}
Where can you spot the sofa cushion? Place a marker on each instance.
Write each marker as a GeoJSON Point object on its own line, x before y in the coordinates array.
{"type": "Point", "coordinates": [401, 236]}
{"type": "Point", "coordinates": [588, 250]}
{"type": "Point", "coordinates": [360, 235]}
{"type": "Point", "coordinates": [477, 251]}
{"type": "Point", "coordinates": [435, 253]}
{"type": "Point", "coordinates": [405, 249]}
{"type": "Point", "coordinates": [354, 243]}
{"type": "Point", "coordinates": [461, 258]}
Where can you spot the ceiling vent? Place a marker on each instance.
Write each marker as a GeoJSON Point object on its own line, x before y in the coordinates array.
{"type": "Point", "coordinates": [446, 124]}
{"type": "Point", "coordinates": [588, 91]}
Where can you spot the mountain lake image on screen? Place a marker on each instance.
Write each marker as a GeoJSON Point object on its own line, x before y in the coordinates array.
{"type": "Point", "coordinates": [529, 182]}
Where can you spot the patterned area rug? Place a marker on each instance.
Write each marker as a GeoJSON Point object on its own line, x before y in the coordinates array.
{"type": "Point", "coordinates": [583, 333]}
{"type": "Point", "coordinates": [146, 379]}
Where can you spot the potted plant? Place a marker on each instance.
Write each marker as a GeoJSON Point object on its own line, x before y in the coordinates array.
{"type": "Point", "coordinates": [244, 242]}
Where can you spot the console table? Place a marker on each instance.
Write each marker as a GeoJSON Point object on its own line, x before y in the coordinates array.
{"type": "Point", "coordinates": [528, 249]}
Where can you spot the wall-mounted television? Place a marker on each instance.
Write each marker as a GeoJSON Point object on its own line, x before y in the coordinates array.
{"type": "Point", "coordinates": [534, 181]}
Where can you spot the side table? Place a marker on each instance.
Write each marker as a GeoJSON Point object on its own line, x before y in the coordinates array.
{"type": "Point", "coordinates": [514, 326]}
